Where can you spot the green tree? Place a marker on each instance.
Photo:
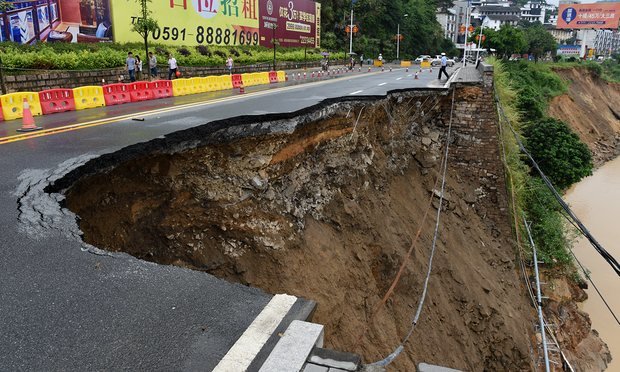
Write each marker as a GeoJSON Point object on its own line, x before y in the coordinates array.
{"type": "Point", "coordinates": [539, 41]}
{"type": "Point", "coordinates": [145, 25]}
{"type": "Point", "coordinates": [509, 40]}
{"type": "Point", "coordinates": [558, 151]}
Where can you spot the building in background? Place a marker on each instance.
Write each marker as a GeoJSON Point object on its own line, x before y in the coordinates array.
{"type": "Point", "coordinates": [447, 20]}
{"type": "Point", "coordinates": [534, 11]}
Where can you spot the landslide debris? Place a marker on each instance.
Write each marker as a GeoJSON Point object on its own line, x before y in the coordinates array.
{"type": "Point", "coordinates": [324, 205]}
{"type": "Point", "coordinates": [590, 108]}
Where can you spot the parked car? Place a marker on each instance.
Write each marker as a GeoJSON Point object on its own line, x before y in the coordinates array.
{"type": "Point", "coordinates": [437, 61]}
{"type": "Point", "coordinates": [421, 58]}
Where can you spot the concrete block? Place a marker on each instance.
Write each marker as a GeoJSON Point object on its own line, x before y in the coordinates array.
{"type": "Point", "coordinates": [335, 359]}
{"type": "Point", "coordinates": [314, 368]}
{"type": "Point", "coordinates": [291, 352]}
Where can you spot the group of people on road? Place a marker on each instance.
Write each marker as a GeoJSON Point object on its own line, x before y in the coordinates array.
{"type": "Point", "coordinates": [134, 66]}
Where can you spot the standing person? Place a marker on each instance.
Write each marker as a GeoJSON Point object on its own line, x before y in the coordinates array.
{"type": "Point", "coordinates": [153, 65]}
{"type": "Point", "coordinates": [229, 64]}
{"type": "Point", "coordinates": [362, 60]}
{"type": "Point", "coordinates": [138, 67]}
{"type": "Point", "coordinates": [172, 66]}
{"type": "Point", "coordinates": [130, 63]}
{"type": "Point", "coordinates": [444, 64]}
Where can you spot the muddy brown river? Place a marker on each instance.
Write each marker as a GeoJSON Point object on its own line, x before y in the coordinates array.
{"type": "Point", "coordinates": [596, 201]}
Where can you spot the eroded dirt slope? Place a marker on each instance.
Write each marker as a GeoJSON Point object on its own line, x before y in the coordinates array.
{"type": "Point", "coordinates": [327, 212]}
{"type": "Point", "coordinates": [592, 109]}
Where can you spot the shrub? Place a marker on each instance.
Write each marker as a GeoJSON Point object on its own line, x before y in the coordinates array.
{"type": "Point", "coordinates": [184, 51]}
{"type": "Point", "coordinates": [548, 227]}
{"type": "Point", "coordinates": [558, 151]}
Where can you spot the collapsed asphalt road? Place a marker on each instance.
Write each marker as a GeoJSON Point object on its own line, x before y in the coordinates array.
{"type": "Point", "coordinates": [65, 305]}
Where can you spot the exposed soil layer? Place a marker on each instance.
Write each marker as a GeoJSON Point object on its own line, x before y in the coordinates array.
{"type": "Point", "coordinates": [327, 210]}
{"type": "Point", "coordinates": [592, 109]}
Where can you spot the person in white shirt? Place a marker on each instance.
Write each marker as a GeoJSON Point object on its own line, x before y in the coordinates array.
{"type": "Point", "coordinates": [229, 64]}
{"type": "Point", "coordinates": [172, 66]}
{"type": "Point", "coordinates": [444, 64]}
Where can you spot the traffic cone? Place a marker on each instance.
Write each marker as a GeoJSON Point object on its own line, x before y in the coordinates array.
{"type": "Point", "coordinates": [382, 68]}
{"type": "Point", "coordinates": [431, 70]}
{"type": "Point", "coordinates": [368, 68]}
{"type": "Point", "coordinates": [241, 89]}
{"type": "Point", "coordinates": [359, 69]}
{"type": "Point", "coordinates": [286, 77]}
{"type": "Point", "coordinates": [312, 75]}
{"type": "Point", "coordinates": [416, 75]}
{"type": "Point", "coordinates": [407, 69]}
{"type": "Point", "coordinates": [298, 76]}
{"type": "Point", "coordinates": [27, 119]}
{"type": "Point", "coordinates": [305, 77]}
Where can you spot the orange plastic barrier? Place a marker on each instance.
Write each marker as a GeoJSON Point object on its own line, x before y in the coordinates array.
{"type": "Point", "coordinates": [273, 77]}
{"type": "Point", "coordinates": [140, 91]}
{"type": "Point", "coordinates": [162, 89]}
{"type": "Point", "coordinates": [237, 80]}
{"type": "Point", "coordinates": [116, 94]}
{"type": "Point", "coordinates": [56, 100]}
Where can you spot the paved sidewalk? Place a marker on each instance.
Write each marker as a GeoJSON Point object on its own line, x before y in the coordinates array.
{"type": "Point", "coordinates": [468, 74]}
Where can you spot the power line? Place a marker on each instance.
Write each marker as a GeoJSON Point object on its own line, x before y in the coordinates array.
{"type": "Point", "coordinates": [444, 166]}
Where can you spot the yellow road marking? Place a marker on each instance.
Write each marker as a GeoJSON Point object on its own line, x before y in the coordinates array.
{"type": "Point", "coordinates": [115, 119]}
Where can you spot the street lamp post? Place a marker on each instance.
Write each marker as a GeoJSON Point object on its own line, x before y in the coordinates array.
{"type": "Point", "coordinates": [351, 33]}
{"type": "Point", "coordinates": [273, 40]}
{"type": "Point", "coordinates": [480, 40]}
{"type": "Point", "coordinates": [398, 39]}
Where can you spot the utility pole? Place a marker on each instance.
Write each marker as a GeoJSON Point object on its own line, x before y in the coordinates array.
{"type": "Point", "coordinates": [398, 39]}
{"type": "Point", "coordinates": [351, 33]}
{"type": "Point", "coordinates": [466, 34]}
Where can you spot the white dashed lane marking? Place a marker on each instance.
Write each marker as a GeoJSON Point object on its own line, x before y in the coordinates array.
{"type": "Point", "coordinates": [399, 78]}
{"type": "Point", "coordinates": [382, 84]}
{"type": "Point", "coordinates": [357, 91]}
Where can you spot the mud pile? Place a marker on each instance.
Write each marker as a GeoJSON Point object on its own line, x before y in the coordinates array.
{"type": "Point", "coordinates": [324, 204]}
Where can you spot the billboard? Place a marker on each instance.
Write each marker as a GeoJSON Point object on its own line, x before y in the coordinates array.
{"type": "Point", "coordinates": [56, 21]}
{"type": "Point", "coordinates": [181, 22]}
{"type": "Point", "coordinates": [290, 23]}
{"type": "Point", "coordinates": [596, 15]}
{"type": "Point", "coordinates": [222, 22]}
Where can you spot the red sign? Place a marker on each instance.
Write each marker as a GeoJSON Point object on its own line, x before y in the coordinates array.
{"type": "Point", "coordinates": [297, 23]}
{"type": "Point", "coordinates": [596, 15]}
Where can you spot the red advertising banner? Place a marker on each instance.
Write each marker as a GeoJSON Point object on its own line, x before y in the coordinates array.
{"type": "Point", "coordinates": [596, 15]}
{"type": "Point", "coordinates": [290, 23]}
